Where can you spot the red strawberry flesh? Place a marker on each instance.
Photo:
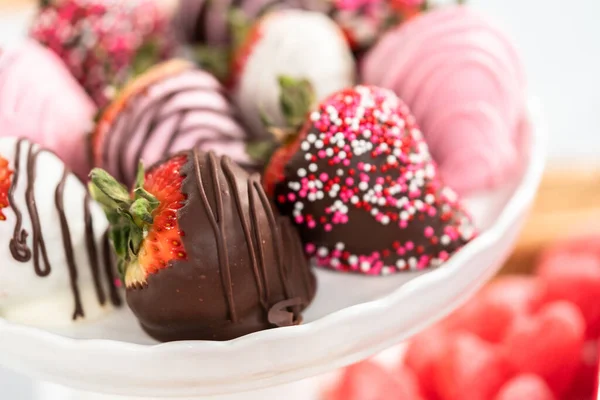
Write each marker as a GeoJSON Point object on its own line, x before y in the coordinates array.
{"type": "Point", "coordinates": [548, 344]}
{"type": "Point", "coordinates": [241, 55]}
{"type": "Point", "coordinates": [163, 242]}
{"type": "Point", "coordinates": [275, 171]}
{"type": "Point", "coordinates": [5, 182]}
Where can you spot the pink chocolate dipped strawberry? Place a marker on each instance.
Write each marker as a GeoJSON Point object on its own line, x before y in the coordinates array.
{"type": "Point", "coordinates": [171, 107]}
{"type": "Point", "coordinates": [45, 104]}
{"type": "Point", "coordinates": [104, 42]}
{"type": "Point", "coordinates": [360, 165]}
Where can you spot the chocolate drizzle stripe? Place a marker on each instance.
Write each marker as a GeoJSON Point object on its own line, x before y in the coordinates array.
{"type": "Point", "coordinates": [130, 130]}
{"type": "Point", "coordinates": [290, 262]}
{"type": "Point", "coordinates": [39, 246]}
{"type": "Point", "coordinates": [306, 272]}
{"type": "Point", "coordinates": [257, 236]}
{"type": "Point", "coordinates": [258, 278]}
{"type": "Point", "coordinates": [133, 121]}
{"type": "Point", "coordinates": [276, 234]}
{"type": "Point", "coordinates": [175, 135]}
{"type": "Point", "coordinates": [109, 268]}
{"type": "Point", "coordinates": [217, 228]}
{"type": "Point", "coordinates": [92, 250]}
{"type": "Point", "coordinates": [225, 267]}
{"type": "Point", "coordinates": [153, 108]}
{"type": "Point", "coordinates": [18, 243]}
{"type": "Point", "coordinates": [177, 131]}
{"type": "Point", "coordinates": [68, 245]}
{"type": "Point", "coordinates": [293, 263]}
{"type": "Point", "coordinates": [42, 266]}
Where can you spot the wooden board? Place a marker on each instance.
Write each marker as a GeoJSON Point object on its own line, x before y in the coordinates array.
{"type": "Point", "coordinates": [12, 4]}
{"type": "Point", "coordinates": [568, 201]}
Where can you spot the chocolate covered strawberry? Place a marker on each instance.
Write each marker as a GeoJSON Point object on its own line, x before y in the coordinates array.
{"type": "Point", "coordinates": [171, 107]}
{"type": "Point", "coordinates": [104, 42]}
{"type": "Point", "coordinates": [209, 23]}
{"type": "Point", "coordinates": [56, 266]}
{"type": "Point", "coordinates": [294, 43]}
{"type": "Point", "coordinates": [360, 184]}
{"type": "Point", "coordinates": [202, 253]}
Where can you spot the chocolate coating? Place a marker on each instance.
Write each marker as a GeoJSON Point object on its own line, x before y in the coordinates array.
{"type": "Point", "coordinates": [364, 191]}
{"type": "Point", "coordinates": [245, 269]}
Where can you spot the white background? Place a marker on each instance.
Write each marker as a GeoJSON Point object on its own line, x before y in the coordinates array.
{"type": "Point", "coordinates": [560, 44]}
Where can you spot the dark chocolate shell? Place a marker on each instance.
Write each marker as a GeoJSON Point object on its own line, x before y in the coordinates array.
{"type": "Point", "coordinates": [245, 269]}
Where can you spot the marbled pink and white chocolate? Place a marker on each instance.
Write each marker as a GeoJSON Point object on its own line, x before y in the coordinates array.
{"type": "Point", "coordinates": [465, 84]}
{"type": "Point", "coordinates": [295, 43]}
{"type": "Point", "coordinates": [56, 261]}
{"type": "Point", "coordinates": [175, 113]}
{"type": "Point", "coordinates": [40, 100]}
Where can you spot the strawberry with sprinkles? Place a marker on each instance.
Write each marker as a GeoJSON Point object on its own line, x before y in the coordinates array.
{"type": "Point", "coordinates": [362, 188]}
{"type": "Point", "coordinates": [104, 43]}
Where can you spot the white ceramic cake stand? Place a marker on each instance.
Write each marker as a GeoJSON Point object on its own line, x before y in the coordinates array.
{"type": "Point", "coordinates": [352, 318]}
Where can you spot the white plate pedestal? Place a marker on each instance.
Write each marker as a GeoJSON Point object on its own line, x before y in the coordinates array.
{"type": "Point", "coordinates": [307, 389]}
{"type": "Point", "coordinates": [352, 318]}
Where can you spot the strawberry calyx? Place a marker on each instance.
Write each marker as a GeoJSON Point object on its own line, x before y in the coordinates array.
{"type": "Point", "coordinates": [130, 216]}
{"type": "Point", "coordinates": [225, 62]}
{"type": "Point", "coordinates": [5, 183]}
{"type": "Point", "coordinates": [275, 171]}
{"type": "Point", "coordinates": [296, 99]}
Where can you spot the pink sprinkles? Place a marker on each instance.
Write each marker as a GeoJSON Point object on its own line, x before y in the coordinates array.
{"type": "Point", "coordinates": [395, 181]}
{"type": "Point", "coordinates": [99, 40]}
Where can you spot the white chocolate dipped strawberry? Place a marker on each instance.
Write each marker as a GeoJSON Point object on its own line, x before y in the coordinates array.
{"type": "Point", "coordinates": [56, 260]}
{"type": "Point", "coordinates": [294, 43]}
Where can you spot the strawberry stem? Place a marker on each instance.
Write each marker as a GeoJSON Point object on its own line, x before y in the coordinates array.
{"type": "Point", "coordinates": [129, 215]}
{"type": "Point", "coordinates": [296, 99]}
{"type": "Point", "coordinates": [214, 59]}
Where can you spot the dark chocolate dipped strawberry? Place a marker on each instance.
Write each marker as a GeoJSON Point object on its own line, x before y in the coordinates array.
{"type": "Point", "coordinates": [360, 184]}
{"type": "Point", "coordinates": [202, 253]}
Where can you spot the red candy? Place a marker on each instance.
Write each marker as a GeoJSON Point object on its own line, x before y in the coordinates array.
{"type": "Point", "coordinates": [470, 369]}
{"type": "Point", "coordinates": [519, 338]}
{"type": "Point", "coordinates": [506, 299]}
{"type": "Point", "coordinates": [369, 381]}
{"type": "Point", "coordinates": [548, 344]}
{"type": "Point", "coordinates": [409, 383]}
{"type": "Point", "coordinates": [575, 277]}
{"type": "Point", "coordinates": [422, 355]}
{"type": "Point", "coordinates": [584, 384]}
{"type": "Point", "coordinates": [526, 387]}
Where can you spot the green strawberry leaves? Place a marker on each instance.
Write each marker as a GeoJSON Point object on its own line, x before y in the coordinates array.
{"type": "Point", "coordinates": [296, 99]}
{"type": "Point", "coordinates": [129, 214]}
{"type": "Point", "coordinates": [214, 59]}
{"type": "Point", "coordinates": [218, 59]}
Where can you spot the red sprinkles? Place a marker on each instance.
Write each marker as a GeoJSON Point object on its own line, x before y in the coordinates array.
{"type": "Point", "coordinates": [100, 40]}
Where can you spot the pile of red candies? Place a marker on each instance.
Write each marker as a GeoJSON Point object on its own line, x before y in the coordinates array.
{"type": "Point", "coordinates": [520, 338]}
